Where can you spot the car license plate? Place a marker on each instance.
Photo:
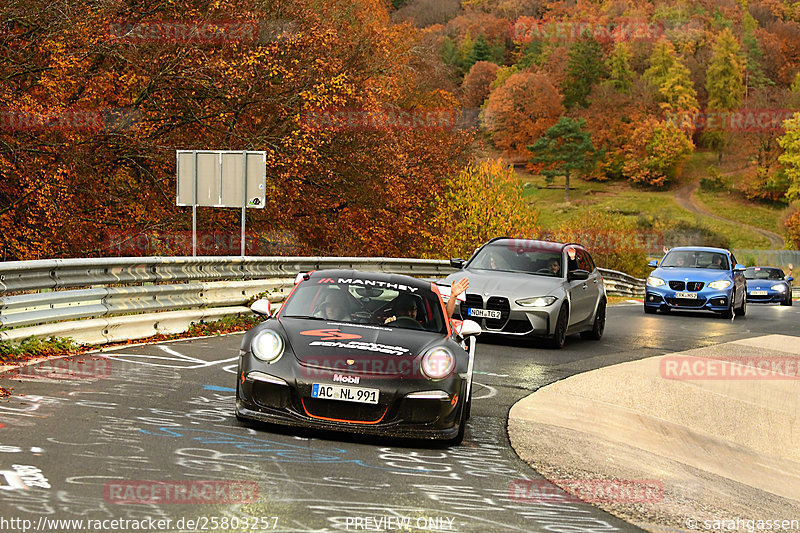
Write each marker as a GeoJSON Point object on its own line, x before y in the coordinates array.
{"type": "Point", "coordinates": [344, 393]}
{"type": "Point", "coordinates": [689, 295]}
{"type": "Point", "coordinates": [483, 313]}
{"type": "Point", "coordinates": [758, 293]}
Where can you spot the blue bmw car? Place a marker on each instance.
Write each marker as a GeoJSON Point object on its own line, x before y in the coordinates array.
{"type": "Point", "coordinates": [767, 285]}
{"type": "Point", "coordinates": [697, 279]}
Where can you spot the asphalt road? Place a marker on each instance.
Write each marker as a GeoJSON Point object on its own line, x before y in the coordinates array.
{"type": "Point", "coordinates": [137, 435]}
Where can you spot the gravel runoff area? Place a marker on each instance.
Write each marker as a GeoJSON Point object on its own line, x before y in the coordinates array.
{"type": "Point", "coordinates": [722, 452]}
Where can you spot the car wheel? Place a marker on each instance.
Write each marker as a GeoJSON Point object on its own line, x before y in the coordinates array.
{"type": "Point", "coordinates": [743, 309]}
{"type": "Point", "coordinates": [462, 425]}
{"type": "Point", "coordinates": [728, 313]}
{"type": "Point", "coordinates": [650, 310]}
{"type": "Point", "coordinates": [559, 336]}
{"type": "Point", "coordinates": [599, 325]}
{"type": "Point", "coordinates": [788, 300]}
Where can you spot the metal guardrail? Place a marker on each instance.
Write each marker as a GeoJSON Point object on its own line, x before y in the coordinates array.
{"type": "Point", "coordinates": [95, 301]}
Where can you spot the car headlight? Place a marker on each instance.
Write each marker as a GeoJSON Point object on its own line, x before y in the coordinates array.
{"type": "Point", "coordinates": [720, 284]}
{"type": "Point", "coordinates": [655, 282]}
{"type": "Point", "coordinates": [778, 287]}
{"type": "Point", "coordinates": [438, 363]}
{"type": "Point", "coordinates": [267, 346]}
{"type": "Point", "coordinates": [537, 301]}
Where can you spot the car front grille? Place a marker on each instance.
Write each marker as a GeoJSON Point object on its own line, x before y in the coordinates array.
{"type": "Point", "coordinates": [365, 413]}
{"type": "Point", "coordinates": [759, 297]}
{"type": "Point", "coordinates": [695, 286]}
{"type": "Point", "coordinates": [686, 302]}
{"type": "Point", "coordinates": [473, 301]}
{"type": "Point", "coordinates": [677, 285]}
{"type": "Point", "coordinates": [498, 303]}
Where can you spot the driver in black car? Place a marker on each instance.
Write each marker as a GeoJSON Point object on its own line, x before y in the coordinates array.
{"type": "Point", "coordinates": [405, 308]}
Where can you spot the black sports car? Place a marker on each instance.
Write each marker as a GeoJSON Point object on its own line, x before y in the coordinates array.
{"type": "Point", "coordinates": [362, 352]}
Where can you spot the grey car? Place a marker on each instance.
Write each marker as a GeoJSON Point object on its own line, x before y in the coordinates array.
{"type": "Point", "coordinates": [522, 287]}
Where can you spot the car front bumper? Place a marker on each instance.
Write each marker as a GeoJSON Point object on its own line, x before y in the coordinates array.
{"type": "Point", "coordinates": [402, 411]}
{"type": "Point", "coordinates": [771, 296]}
{"type": "Point", "coordinates": [717, 301]}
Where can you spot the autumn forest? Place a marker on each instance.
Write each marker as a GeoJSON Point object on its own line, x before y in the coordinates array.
{"type": "Point", "coordinates": [391, 127]}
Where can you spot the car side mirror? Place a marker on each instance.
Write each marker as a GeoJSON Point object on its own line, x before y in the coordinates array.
{"type": "Point", "coordinates": [739, 268]}
{"type": "Point", "coordinates": [457, 263]}
{"type": "Point", "coordinates": [468, 328]}
{"type": "Point", "coordinates": [577, 275]}
{"type": "Point", "coordinates": [790, 279]}
{"type": "Point", "coordinates": [261, 307]}
{"type": "Point", "coordinates": [653, 264]}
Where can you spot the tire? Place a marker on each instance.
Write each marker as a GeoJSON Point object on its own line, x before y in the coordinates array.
{"type": "Point", "coordinates": [559, 336]}
{"type": "Point", "coordinates": [650, 310]}
{"type": "Point", "coordinates": [743, 309]}
{"type": "Point", "coordinates": [462, 426]}
{"type": "Point", "coordinates": [788, 300]}
{"type": "Point", "coordinates": [728, 313]}
{"type": "Point", "coordinates": [599, 324]}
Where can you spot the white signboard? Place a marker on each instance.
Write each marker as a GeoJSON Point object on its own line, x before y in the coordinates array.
{"type": "Point", "coordinates": [219, 178]}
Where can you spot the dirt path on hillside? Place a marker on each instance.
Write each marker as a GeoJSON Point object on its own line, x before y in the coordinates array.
{"type": "Point", "coordinates": [684, 195]}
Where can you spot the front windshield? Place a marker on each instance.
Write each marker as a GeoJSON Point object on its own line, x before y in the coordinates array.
{"type": "Point", "coordinates": [530, 258]}
{"type": "Point", "coordinates": [764, 273]}
{"type": "Point", "coordinates": [364, 301]}
{"type": "Point", "coordinates": [696, 259]}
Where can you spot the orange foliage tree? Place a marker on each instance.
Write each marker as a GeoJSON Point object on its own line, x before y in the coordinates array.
{"type": "Point", "coordinates": [520, 111]}
{"type": "Point", "coordinates": [229, 75]}
{"type": "Point", "coordinates": [475, 87]}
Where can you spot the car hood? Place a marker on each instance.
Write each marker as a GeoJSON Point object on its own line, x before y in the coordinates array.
{"type": "Point", "coordinates": [348, 347]}
{"type": "Point", "coordinates": [758, 284]}
{"type": "Point", "coordinates": [693, 274]}
{"type": "Point", "coordinates": [510, 284]}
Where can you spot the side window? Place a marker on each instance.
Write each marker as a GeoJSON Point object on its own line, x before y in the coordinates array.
{"type": "Point", "coordinates": [733, 262]}
{"type": "Point", "coordinates": [590, 264]}
{"type": "Point", "coordinates": [583, 262]}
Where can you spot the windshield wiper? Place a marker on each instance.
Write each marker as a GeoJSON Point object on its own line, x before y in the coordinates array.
{"type": "Point", "coordinates": [304, 316]}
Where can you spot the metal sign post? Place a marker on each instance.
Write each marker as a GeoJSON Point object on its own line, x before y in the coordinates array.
{"type": "Point", "coordinates": [221, 178]}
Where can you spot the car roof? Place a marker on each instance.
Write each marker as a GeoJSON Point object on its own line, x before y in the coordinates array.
{"type": "Point", "coordinates": [337, 274]}
{"type": "Point", "coordinates": [699, 249]}
{"type": "Point", "coordinates": [535, 242]}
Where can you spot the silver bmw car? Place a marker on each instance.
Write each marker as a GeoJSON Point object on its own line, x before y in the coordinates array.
{"type": "Point", "coordinates": [533, 288]}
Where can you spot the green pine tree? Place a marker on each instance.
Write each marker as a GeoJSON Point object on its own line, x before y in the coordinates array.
{"type": "Point", "coordinates": [661, 60]}
{"type": "Point", "coordinates": [480, 52]}
{"type": "Point", "coordinates": [620, 74]}
{"type": "Point", "coordinates": [449, 52]}
{"type": "Point", "coordinates": [725, 85]}
{"type": "Point", "coordinates": [585, 67]}
{"type": "Point", "coordinates": [790, 159]}
{"type": "Point", "coordinates": [725, 73]}
{"type": "Point", "coordinates": [671, 79]}
{"type": "Point", "coordinates": [754, 73]}
{"type": "Point", "coordinates": [564, 148]}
